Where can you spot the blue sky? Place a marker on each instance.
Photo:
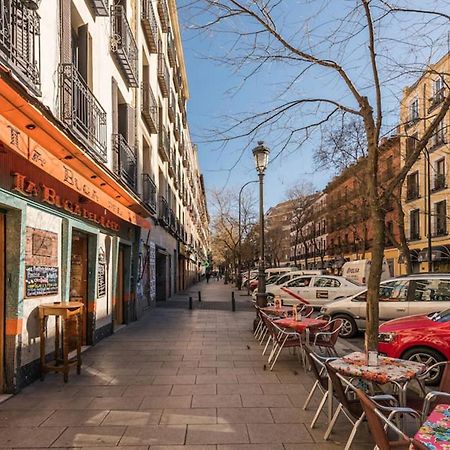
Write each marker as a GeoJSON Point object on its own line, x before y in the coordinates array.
{"type": "Point", "coordinates": [217, 93]}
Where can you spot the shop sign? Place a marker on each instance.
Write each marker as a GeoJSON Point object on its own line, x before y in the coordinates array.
{"type": "Point", "coordinates": [30, 188]}
{"type": "Point", "coordinates": [101, 273]}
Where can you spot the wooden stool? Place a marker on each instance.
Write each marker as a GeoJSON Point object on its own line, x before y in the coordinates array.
{"type": "Point", "coordinates": [63, 312]}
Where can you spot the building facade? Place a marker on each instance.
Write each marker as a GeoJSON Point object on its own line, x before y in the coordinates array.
{"type": "Point", "coordinates": [426, 190]}
{"type": "Point", "coordinates": [101, 196]}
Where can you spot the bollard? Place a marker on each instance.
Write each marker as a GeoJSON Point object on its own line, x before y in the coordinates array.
{"type": "Point", "coordinates": [199, 296]}
{"type": "Point", "coordinates": [233, 302]}
{"type": "Point", "coordinates": [190, 302]}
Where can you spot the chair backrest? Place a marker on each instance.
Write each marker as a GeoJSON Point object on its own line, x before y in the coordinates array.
{"type": "Point", "coordinates": [317, 367]}
{"type": "Point", "coordinates": [444, 385]}
{"type": "Point", "coordinates": [375, 423]}
{"type": "Point", "coordinates": [333, 327]}
{"type": "Point", "coordinates": [338, 388]}
{"type": "Point", "coordinates": [307, 311]}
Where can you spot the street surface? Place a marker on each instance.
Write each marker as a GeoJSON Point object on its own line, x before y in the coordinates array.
{"type": "Point", "coordinates": [177, 379]}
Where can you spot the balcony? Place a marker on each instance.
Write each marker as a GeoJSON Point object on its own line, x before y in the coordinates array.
{"type": "Point", "coordinates": [171, 164]}
{"type": "Point", "coordinates": [172, 107]}
{"type": "Point", "coordinates": [163, 144]}
{"type": "Point", "coordinates": [149, 108]}
{"type": "Point", "coordinates": [163, 15]}
{"type": "Point", "coordinates": [177, 128]}
{"type": "Point", "coordinates": [163, 75]}
{"type": "Point", "coordinates": [172, 221]}
{"type": "Point", "coordinates": [81, 112]}
{"type": "Point", "coordinates": [439, 182]}
{"type": "Point", "coordinates": [436, 99]}
{"type": "Point", "coordinates": [100, 7]}
{"type": "Point", "coordinates": [171, 53]}
{"type": "Point", "coordinates": [150, 26]}
{"type": "Point", "coordinates": [149, 192]}
{"type": "Point", "coordinates": [123, 45]}
{"type": "Point", "coordinates": [124, 161]}
{"type": "Point", "coordinates": [20, 42]}
{"type": "Point", "coordinates": [163, 211]}
{"type": "Point", "coordinates": [412, 192]}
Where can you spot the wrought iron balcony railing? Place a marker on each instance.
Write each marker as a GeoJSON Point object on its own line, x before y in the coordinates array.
{"type": "Point", "coordinates": [412, 192]}
{"type": "Point", "coordinates": [163, 75]}
{"type": "Point", "coordinates": [171, 49]}
{"type": "Point", "coordinates": [81, 111]}
{"type": "Point", "coordinates": [172, 107]}
{"type": "Point", "coordinates": [125, 164]}
{"type": "Point", "coordinates": [100, 7]}
{"type": "Point", "coordinates": [163, 212]}
{"type": "Point", "coordinates": [149, 191]}
{"type": "Point", "coordinates": [172, 220]}
{"type": "Point", "coordinates": [20, 42]}
{"type": "Point", "coordinates": [171, 162]}
{"type": "Point", "coordinates": [149, 25]}
{"type": "Point", "coordinates": [439, 182]}
{"type": "Point", "coordinates": [163, 15]}
{"type": "Point", "coordinates": [163, 144]}
{"type": "Point", "coordinates": [123, 45]}
{"type": "Point", "coordinates": [149, 108]}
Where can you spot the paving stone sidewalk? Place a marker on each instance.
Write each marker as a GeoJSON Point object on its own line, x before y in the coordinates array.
{"type": "Point", "coordinates": [176, 379]}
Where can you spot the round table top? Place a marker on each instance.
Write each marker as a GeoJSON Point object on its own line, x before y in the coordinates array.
{"type": "Point", "coordinates": [62, 305]}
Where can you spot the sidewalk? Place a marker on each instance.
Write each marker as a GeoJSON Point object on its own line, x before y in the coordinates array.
{"type": "Point", "coordinates": [177, 379]}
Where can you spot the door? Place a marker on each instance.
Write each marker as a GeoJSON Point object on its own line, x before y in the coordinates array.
{"type": "Point", "coordinates": [118, 299]}
{"type": "Point", "coordinates": [2, 300]}
{"type": "Point", "coordinates": [79, 275]}
{"type": "Point", "coordinates": [324, 290]}
{"type": "Point", "coordinates": [394, 299]}
{"type": "Point", "coordinates": [295, 291]}
{"type": "Point", "coordinates": [160, 277]}
{"type": "Point", "coordinates": [429, 295]}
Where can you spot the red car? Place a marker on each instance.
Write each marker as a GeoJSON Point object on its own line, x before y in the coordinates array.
{"type": "Point", "coordinates": [423, 338]}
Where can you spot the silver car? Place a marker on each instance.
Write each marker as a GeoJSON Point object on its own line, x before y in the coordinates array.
{"type": "Point", "coordinates": [402, 296]}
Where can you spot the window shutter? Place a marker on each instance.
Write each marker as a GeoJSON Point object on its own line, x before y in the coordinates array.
{"type": "Point", "coordinates": [66, 33]}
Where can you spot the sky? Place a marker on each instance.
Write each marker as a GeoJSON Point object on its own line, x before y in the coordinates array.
{"type": "Point", "coordinates": [217, 92]}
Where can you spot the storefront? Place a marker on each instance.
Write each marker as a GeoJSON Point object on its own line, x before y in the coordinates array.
{"type": "Point", "coordinates": [62, 238]}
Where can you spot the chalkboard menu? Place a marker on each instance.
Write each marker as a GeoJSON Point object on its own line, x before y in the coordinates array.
{"type": "Point", "coordinates": [41, 280]}
{"type": "Point", "coordinates": [101, 274]}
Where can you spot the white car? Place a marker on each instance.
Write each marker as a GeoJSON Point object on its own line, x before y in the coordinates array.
{"type": "Point", "coordinates": [315, 290]}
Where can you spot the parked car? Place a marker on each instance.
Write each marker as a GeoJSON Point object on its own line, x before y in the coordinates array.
{"type": "Point", "coordinates": [422, 338]}
{"type": "Point", "coordinates": [254, 283]}
{"type": "Point", "coordinates": [312, 289]}
{"type": "Point", "coordinates": [358, 271]}
{"type": "Point", "coordinates": [421, 293]}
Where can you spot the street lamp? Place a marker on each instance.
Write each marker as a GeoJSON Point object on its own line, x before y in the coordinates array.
{"type": "Point", "coordinates": [261, 154]}
{"type": "Point", "coordinates": [429, 236]}
{"type": "Point", "coordinates": [239, 275]}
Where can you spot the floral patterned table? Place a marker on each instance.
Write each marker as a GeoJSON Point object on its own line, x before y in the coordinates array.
{"type": "Point", "coordinates": [435, 432]}
{"type": "Point", "coordinates": [300, 325]}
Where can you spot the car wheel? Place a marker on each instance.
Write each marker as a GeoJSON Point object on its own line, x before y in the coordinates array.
{"type": "Point", "coordinates": [349, 328]}
{"type": "Point", "coordinates": [429, 357]}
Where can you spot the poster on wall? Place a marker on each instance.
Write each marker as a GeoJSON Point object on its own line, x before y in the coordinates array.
{"type": "Point", "coordinates": [41, 263]}
{"type": "Point", "coordinates": [152, 275]}
{"type": "Point", "coordinates": [101, 273]}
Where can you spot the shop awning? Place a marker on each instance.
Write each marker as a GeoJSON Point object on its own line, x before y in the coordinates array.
{"type": "Point", "coordinates": [43, 143]}
{"type": "Point", "coordinates": [438, 253]}
{"type": "Point", "coordinates": [414, 253]}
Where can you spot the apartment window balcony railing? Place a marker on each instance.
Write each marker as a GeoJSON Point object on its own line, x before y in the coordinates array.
{"type": "Point", "coordinates": [172, 220]}
{"type": "Point", "coordinates": [163, 144]}
{"type": "Point", "coordinates": [440, 231]}
{"type": "Point", "coordinates": [163, 75]}
{"type": "Point", "coordinates": [171, 53]}
{"type": "Point", "coordinates": [149, 191]}
{"type": "Point", "coordinates": [81, 111]}
{"type": "Point", "coordinates": [171, 108]}
{"type": "Point", "coordinates": [412, 193]}
{"type": "Point", "coordinates": [163, 15]}
{"type": "Point", "coordinates": [123, 45]}
{"type": "Point", "coordinates": [414, 236]}
{"type": "Point", "coordinates": [436, 99]}
{"type": "Point", "coordinates": [149, 108]}
{"type": "Point", "coordinates": [20, 42]}
{"type": "Point", "coordinates": [163, 211]}
{"type": "Point", "coordinates": [177, 128]}
{"type": "Point", "coordinates": [125, 163]}
{"type": "Point", "coordinates": [149, 25]}
{"type": "Point", "coordinates": [100, 7]}
{"type": "Point", "coordinates": [439, 182]}
{"type": "Point", "coordinates": [171, 163]}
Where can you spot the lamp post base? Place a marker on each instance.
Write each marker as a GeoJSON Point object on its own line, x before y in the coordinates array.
{"type": "Point", "coordinates": [261, 299]}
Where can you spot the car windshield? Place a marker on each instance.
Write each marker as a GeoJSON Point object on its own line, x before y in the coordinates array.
{"type": "Point", "coordinates": [272, 279]}
{"type": "Point", "coordinates": [441, 317]}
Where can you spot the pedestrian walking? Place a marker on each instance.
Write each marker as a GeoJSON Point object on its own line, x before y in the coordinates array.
{"type": "Point", "coordinates": [208, 276]}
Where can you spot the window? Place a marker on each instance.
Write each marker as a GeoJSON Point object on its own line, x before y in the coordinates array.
{"type": "Point", "coordinates": [439, 174]}
{"type": "Point", "coordinates": [440, 218]}
{"type": "Point", "coordinates": [438, 91]}
{"type": "Point", "coordinates": [412, 186]}
{"type": "Point", "coordinates": [411, 144]}
{"type": "Point", "coordinates": [283, 279]}
{"type": "Point", "coordinates": [324, 282]}
{"type": "Point", "coordinates": [389, 233]}
{"type": "Point", "coordinates": [438, 137]}
{"type": "Point", "coordinates": [300, 282]}
{"type": "Point", "coordinates": [414, 110]}
{"type": "Point", "coordinates": [389, 167]}
{"type": "Point", "coordinates": [414, 224]}
{"type": "Point", "coordinates": [432, 290]}
{"type": "Point", "coordinates": [394, 291]}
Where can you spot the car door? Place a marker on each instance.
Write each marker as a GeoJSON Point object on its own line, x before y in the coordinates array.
{"type": "Point", "coordinates": [429, 295]}
{"type": "Point", "coordinates": [293, 291]}
{"type": "Point", "coordinates": [393, 297]}
{"type": "Point", "coordinates": [324, 290]}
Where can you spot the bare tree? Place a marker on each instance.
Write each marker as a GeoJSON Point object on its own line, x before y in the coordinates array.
{"type": "Point", "coordinates": [355, 58]}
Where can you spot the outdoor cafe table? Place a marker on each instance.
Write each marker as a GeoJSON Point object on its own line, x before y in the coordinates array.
{"type": "Point", "coordinates": [300, 325]}
{"type": "Point", "coordinates": [435, 432]}
{"type": "Point", "coordinates": [389, 370]}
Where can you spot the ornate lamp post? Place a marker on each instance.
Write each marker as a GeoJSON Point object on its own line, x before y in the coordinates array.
{"type": "Point", "coordinates": [261, 154]}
